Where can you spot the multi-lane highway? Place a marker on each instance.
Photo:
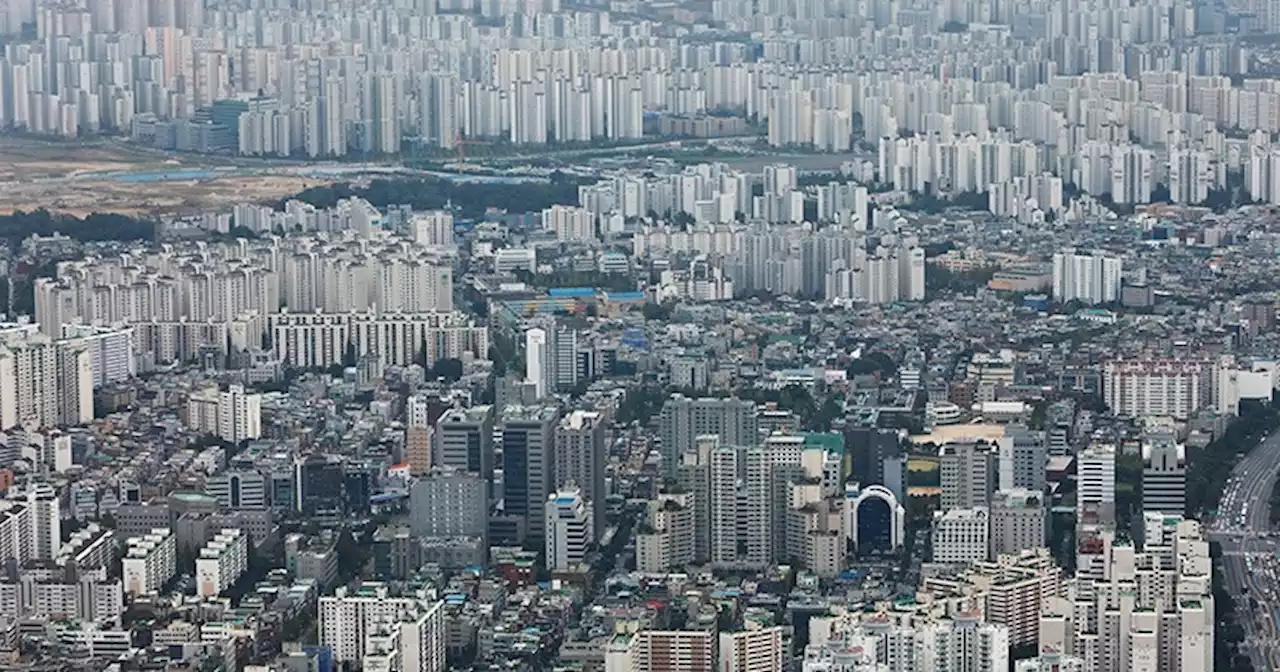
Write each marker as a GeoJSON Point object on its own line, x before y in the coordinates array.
{"type": "Point", "coordinates": [1250, 564]}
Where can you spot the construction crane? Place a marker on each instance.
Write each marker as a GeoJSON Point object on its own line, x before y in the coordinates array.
{"type": "Point", "coordinates": [460, 151]}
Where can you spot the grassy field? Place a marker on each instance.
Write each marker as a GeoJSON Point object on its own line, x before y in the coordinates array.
{"type": "Point", "coordinates": [921, 464]}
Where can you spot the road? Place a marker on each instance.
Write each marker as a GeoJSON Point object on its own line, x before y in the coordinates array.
{"type": "Point", "coordinates": [1250, 565]}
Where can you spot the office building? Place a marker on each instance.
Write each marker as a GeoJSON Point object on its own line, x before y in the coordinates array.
{"type": "Point", "coordinates": [1164, 475]}
{"type": "Point", "coordinates": [570, 532]}
{"type": "Point", "coordinates": [149, 562]}
{"type": "Point", "coordinates": [1023, 454]}
{"type": "Point", "coordinates": [221, 562]}
{"type": "Point", "coordinates": [1096, 485]}
{"type": "Point", "coordinates": [682, 420]}
{"type": "Point", "coordinates": [449, 503]}
{"type": "Point", "coordinates": [1017, 521]}
{"type": "Point", "coordinates": [1088, 278]}
{"type": "Point", "coordinates": [877, 522]}
{"type": "Point", "coordinates": [580, 457]}
{"type": "Point", "coordinates": [465, 438]}
{"type": "Point", "coordinates": [320, 485]}
{"type": "Point", "coordinates": [967, 474]}
{"type": "Point", "coordinates": [528, 447]}
{"type": "Point", "coordinates": [961, 536]}
{"type": "Point", "coordinates": [238, 489]}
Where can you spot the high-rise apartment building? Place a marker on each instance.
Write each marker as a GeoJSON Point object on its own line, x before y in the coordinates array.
{"type": "Point", "coordinates": [691, 650]}
{"type": "Point", "coordinates": [883, 640]}
{"type": "Point", "coordinates": [683, 420]}
{"type": "Point", "coordinates": [418, 434]}
{"type": "Point", "coordinates": [1158, 387]}
{"type": "Point", "coordinates": [352, 613]}
{"type": "Point", "coordinates": [149, 562]}
{"type": "Point", "coordinates": [239, 415]}
{"type": "Point", "coordinates": [666, 540]}
{"type": "Point", "coordinates": [43, 382]}
{"type": "Point", "coordinates": [754, 649]}
{"type": "Point", "coordinates": [45, 517]}
{"type": "Point", "coordinates": [234, 415]}
{"type": "Point", "coordinates": [221, 562]}
{"type": "Point", "coordinates": [1142, 609]}
{"type": "Point", "coordinates": [1007, 591]}
{"type": "Point", "coordinates": [1089, 278]}
{"type": "Point", "coordinates": [15, 534]}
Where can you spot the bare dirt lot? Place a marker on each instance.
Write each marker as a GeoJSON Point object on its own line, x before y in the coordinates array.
{"type": "Point", "coordinates": [67, 178]}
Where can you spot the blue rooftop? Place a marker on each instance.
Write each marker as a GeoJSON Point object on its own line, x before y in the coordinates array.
{"type": "Point", "coordinates": [571, 291]}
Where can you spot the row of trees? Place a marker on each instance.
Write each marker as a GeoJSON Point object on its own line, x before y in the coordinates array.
{"type": "Point", "coordinates": [468, 199]}
{"type": "Point", "coordinates": [97, 227]}
{"type": "Point", "coordinates": [1209, 470]}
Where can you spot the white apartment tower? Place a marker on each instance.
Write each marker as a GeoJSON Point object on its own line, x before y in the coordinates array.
{"type": "Point", "coordinates": [1089, 278]}
{"type": "Point", "coordinates": [905, 641]}
{"type": "Point", "coordinates": [44, 383]}
{"type": "Point", "coordinates": [569, 530]}
{"type": "Point", "coordinates": [1145, 610]}
{"type": "Point", "coordinates": [43, 514]}
{"type": "Point", "coordinates": [755, 649]}
{"type": "Point", "coordinates": [221, 562]}
{"type": "Point", "coordinates": [351, 613]}
{"type": "Point", "coordinates": [239, 415]}
{"type": "Point", "coordinates": [150, 561]}
{"type": "Point", "coordinates": [234, 415]}
{"type": "Point", "coordinates": [537, 362]}
{"type": "Point", "coordinates": [666, 543]}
